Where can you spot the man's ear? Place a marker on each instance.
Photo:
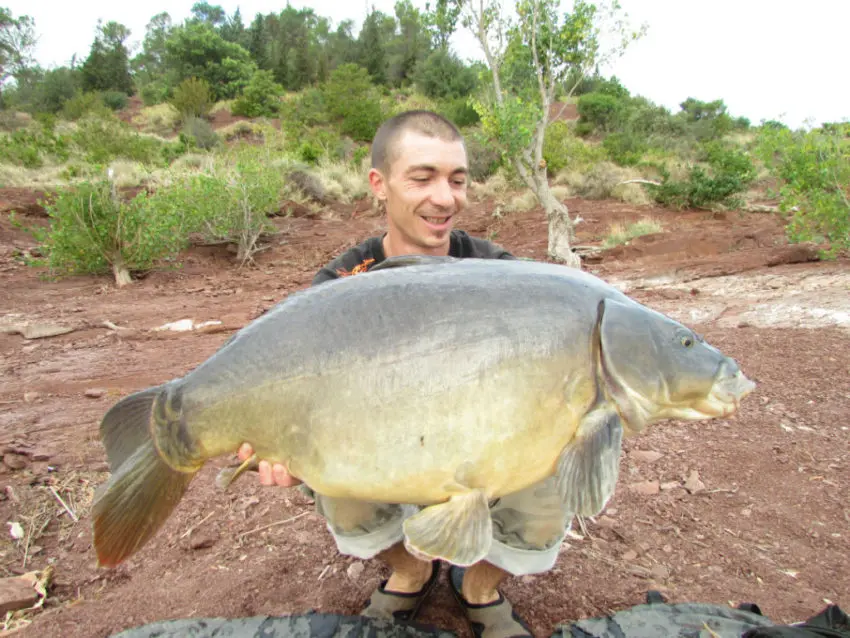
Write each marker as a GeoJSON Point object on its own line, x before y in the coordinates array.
{"type": "Point", "coordinates": [376, 181]}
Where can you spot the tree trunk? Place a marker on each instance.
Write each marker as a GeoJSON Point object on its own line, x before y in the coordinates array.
{"type": "Point", "coordinates": [560, 229]}
{"type": "Point", "coordinates": [122, 275]}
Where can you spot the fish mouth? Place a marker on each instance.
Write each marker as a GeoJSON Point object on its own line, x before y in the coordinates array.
{"type": "Point", "coordinates": [437, 222]}
{"type": "Point", "coordinates": [726, 395]}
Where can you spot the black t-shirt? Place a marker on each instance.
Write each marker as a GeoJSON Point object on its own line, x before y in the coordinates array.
{"type": "Point", "coordinates": [370, 253]}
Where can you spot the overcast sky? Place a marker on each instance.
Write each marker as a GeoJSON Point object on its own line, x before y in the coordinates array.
{"type": "Point", "coordinates": [766, 59]}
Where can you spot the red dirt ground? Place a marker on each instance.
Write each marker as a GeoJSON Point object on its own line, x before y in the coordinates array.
{"type": "Point", "coordinates": [771, 525]}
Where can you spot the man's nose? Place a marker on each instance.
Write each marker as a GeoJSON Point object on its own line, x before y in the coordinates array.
{"type": "Point", "coordinates": [442, 193]}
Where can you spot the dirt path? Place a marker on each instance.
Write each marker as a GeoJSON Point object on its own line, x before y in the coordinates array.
{"type": "Point", "coordinates": [771, 524]}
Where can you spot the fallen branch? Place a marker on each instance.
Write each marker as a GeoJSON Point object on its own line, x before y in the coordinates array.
{"type": "Point", "coordinates": [63, 504]}
{"type": "Point", "coordinates": [194, 527]}
{"type": "Point", "coordinates": [639, 181]}
{"type": "Point", "coordinates": [270, 525]}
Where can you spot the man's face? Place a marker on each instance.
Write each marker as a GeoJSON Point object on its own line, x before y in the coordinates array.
{"type": "Point", "coordinates": [425, 189]}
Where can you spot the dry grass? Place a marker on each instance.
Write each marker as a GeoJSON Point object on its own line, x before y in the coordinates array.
{"type": "Point", "coordinates": [160, 119]}
{"type": "Point", "coordinates": [620, 234]}
{"type": "Point", "coordinates": [343, 182]}
{"type": "Point", "coordinates": [222, 105]}
{"type": "Point", "coordinates": [36, 178]}
{"type": "Point", "coordinates": [560, 192]}
{"type": "Point", "coordinates": [603, 181]}
{"type": "Point", "coordinates": [521, 203]}
{"type": "Point", "coordinates": [241, 129]}
{"type": "Point", "coordinates": [634, 194]}
{"type": "Point", "coordinates": [128, 174]}
{"type": "Point", "coordinates": [497, 186]}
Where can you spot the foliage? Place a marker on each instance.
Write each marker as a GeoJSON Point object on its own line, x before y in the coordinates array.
{"type": "Point", "coordinates": [17, 40]}
{"type": "Point", "coordinates": [483, 158]}
{"type": "Point", "coordinates": [102, 140]}
{"type": "Point", "coordinates": [261, 98]}
{"type": "Point", "coordinates": [192, 98]}
{"type": "Point", "coordinates": [458, 110]}
{"type": "Point", "coordinates": [625, 149]}
{"type": "Point", "coordinates": [600, 111]}
{"type": "Point", "coordinates": [813, 168]}
{"type": "Point", "coordinates": [562, 149]}
{"type": "Point", "coordinates": [353, 102]}
{"type": "Point", "coordinates": [729, 173]}
{"type": "Point", "coordinates": [198, 133]}
{"type": "Point", "coordinates": [93, 231]}
{"type": "Point", "coordinates": [30, 146]}
{"type": "Point", "coordinates": [114, 100]}
{"type": "Point", "coordinates": [443, 75]}
{"type": "Point", "coordinates": [107, 68]}
{"type": "Point", "coordinates": [621, 234]}
{"type": "Point", "coordinates": [230, 203]}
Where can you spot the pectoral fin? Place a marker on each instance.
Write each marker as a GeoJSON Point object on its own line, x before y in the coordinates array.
{"type": "Point", "coordinates": [458, 531]}
{"type": "Point", "coordinates": [229, 474]}
{"type": "Point", "coordinates": [589, 466]}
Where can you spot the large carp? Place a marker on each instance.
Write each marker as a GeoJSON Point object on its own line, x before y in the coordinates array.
{"type": "Point", "coordinates": [443, 383]}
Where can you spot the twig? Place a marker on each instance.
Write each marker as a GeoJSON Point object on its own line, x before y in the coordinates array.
{"type": "Point", "coordinates": [640, 181]}
{"type": "Point", "coordinates": [194, 527]}
{"type": "Point", "coordinates": [63, 504]}
{"type": "Point", "coordinates": [265, 527]}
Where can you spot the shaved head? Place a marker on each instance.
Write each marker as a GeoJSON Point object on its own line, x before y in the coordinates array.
{"type": "Point", "coordinates": [427, 123]}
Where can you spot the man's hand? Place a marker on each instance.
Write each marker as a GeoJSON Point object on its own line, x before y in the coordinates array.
{"type": "Point", "coordinates": [269, 474]}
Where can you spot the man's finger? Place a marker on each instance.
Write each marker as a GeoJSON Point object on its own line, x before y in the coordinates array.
{"type": "Point", "coordinates": [282, 477]}
{"type": "Point", "coordinates": [245, 452]}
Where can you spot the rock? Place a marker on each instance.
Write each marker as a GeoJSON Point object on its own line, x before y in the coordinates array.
{"type": "Point", "coordinates": [355, 571]}
{"type": "Point", "coordinates": [629, 555]}
{"type": "Point", "coordinates": [202, 541]}
{"type": "Point", "coordinates": [694, 484]}
{"type": "Point", "coordinates": [36, 330]}
{"type": "Point", "coordinates": [16, 593]}
{"type": "Point", "coordinates": [29, 397]}
{"type": "Point", "coordinates": [646, 488]}
{"type": "Point", "coordinates": [41, 455]}
{"type": "Point", "coordinates": [94, 393]}
{"type": "Point", "coordinates": [660, 572]}
{"type": "Point", "coordinates": [646, 456]}
{"type": "Point", "coordinates": [15, 461]}
{"type": "Point", "coordinates": [607, 522]}
{"type": "Point", "coordinates": [670, 485]}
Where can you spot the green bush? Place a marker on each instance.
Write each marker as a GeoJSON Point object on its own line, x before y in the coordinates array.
{"type": "Point", "coordinates": [353, 102]}
{"type": "Point", "coordinates": [199, 133]}
{"type": "Point", "coordinates": [114, 100]}
{"type": "Point", "coordinates": [813, 168]}
{"type": "Point", "coordinates": [192, 98]}
{"type": "Point", "coordinates": [562, 149]}
{"type": "Point", "coordinates": [443, 75]}
{"type": "Point", "coordinates": [600, 111]}
{"type": "Point", "coordinates": [261, 98]}
{"type": "Point", "coordinates": [625, 149]}
{"type": "Point", "coordinates": [482, 157]}
{"type": "Point", "coordinates": [83, 104]}
{"type": "Point", "coordinates": [93, 231]}
{"type": "Point", "coordinates": [729, 172]}
{"type": "Point", "coordinates": [30, 146]}
{"type": "Point", "coordinates": [155, 92]}
{"type": "Point", "coordinates": [102, 140]}
{"type": "Point", "coordinates": [459, 111]}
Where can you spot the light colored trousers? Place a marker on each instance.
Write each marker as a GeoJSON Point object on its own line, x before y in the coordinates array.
{"type": "Point", "coordinates": [528, 527]}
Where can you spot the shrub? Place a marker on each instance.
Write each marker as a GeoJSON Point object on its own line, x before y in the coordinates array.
{"type": "Point", "coordinates": [483, 158]}
{"type": "Point", "coordinates": [192, 98]}
{"type": "Point", "coordinates": [354, 102]}
{"type": "Point", "coordinates": [443, 75]}
{"type": "Point", "coordinates": [729, 173]}
{"type": "Point", "coordinates": [103, 140]}
{"type": "Point", "coordinates": [561, 149]}
{"type": "Point", "coordinates": [813, 168]}
{"type": "Point", "coordinates": [83, 104]}
{"type": "Point", "coordinates": [600, 111]}
{"type": "Point", "coordinates": [459, 111]}
{"type": "Point", "coordinates": [199, 133]}
{"type": "Point", "coordinates": [261, 98]}
{"type": "Point", "coordinates": [625, 149]}
{"type": "Point", "coordinates": [29, 147]}
{"type": "Point", "coordinates": [620, 234]}
{"type": "Point", "coordinates": [114, 100]}
{"type": "Point", "coordinates": [93, 231]}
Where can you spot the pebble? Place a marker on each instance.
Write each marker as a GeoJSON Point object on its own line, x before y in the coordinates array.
{"type": "Point", "coordinates": [29, 397]}
{"type": "Point", "coordinates": [355, 571]}
{"type": "Point", "coordinates": [94, 393]}
{"type": "Point", "coordinates": [629, 555]}
{"type": "Point", "coordinates": [646, 488]}
{"type": "Point", "coordinates": [646, 456]}
{"type": "Point", "coordinates": [16, 593]}
{"type": "Point", "coordinates": [202, 541]}
{"type": "Point", "coordinates": [694, 484]}
{"type": "Point", "coordinates": [660, 572]}
{"type": "Point", "coordinates": [15, 461]}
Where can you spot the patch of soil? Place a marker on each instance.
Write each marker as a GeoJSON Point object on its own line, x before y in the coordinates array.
{"type": "Point", "coordinates": [22, 200]}
{"type": "Point", "coordinates": [562, 111]}
{"type": "Point", "coordinates": [256, 550]}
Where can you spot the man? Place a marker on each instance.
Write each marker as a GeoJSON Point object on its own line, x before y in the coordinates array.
{"type": "Point", "coordinates": [419, 171]}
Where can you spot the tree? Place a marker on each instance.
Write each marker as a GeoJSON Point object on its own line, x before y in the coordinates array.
{"type": "Point", "coordinates": [442, 21]}
{"type": "Point", "coordinates": [540, 52]}
{"type": "Point", "coordinates": [108, 66]}
{"type": "Point", "coordinates": [17, 39]}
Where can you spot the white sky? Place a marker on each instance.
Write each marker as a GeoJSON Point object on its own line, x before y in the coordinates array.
{"type": "Point", "coordinates": [766, 59]}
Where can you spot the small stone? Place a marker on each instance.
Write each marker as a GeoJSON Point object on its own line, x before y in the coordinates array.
{"type": "Point", "coordinates": [16, 593]}
{"type": "Point", "coordinates": [606, 522]}
{"type": "Point", "coordinates": [746, 512]}
{"type": "Point", "coordinates": [202, 541]}
{"type": "Point", "coordinates": [355, 571]}
{"type": "Point", "coordinates": [41, 455]}
{"type": "Point", "coordinates": [646, 456]}
{"type": "Point", "coordinates": [268, 298]}
{"type": "Point", "coordinates": [667, 549]}
{"type": "Point", "coordinates": [694, 484]}
{"type": "Point", "coordinates": [629, 555]}
{"type": "Point", "coordinates": [15, 461]}
{"type": "Point", "coordinates": [659, 572]}
{"type": "Point", "coordinates": [29, 397]}
{"type": "Point", "coordinates": [646, 488]}
{"type": "Point", "coordinates": [670, 485]}
{"type": "Point", "coordinates": [94, 393]}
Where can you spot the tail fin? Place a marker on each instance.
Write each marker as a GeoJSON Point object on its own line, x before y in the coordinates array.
{"type": "Point", "coordinates": [143, 489]}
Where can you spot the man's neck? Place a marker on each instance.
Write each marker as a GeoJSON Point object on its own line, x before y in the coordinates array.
{"type": "Point", "coordinates": [394, 246]}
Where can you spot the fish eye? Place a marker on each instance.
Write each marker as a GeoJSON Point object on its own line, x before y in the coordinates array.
{"type": "Point", "coordinates": [687, 341]}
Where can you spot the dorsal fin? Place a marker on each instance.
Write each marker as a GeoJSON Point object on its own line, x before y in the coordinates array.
{"type": "Point", "coordinates": [413, 260]}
